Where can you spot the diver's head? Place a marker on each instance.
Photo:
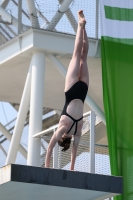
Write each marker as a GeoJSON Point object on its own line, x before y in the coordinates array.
{"type": "Point", "coordinates": [65, 141]}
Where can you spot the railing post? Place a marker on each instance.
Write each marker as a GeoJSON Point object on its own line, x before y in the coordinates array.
{"type": "Point", "coordinates": [92, 142]}
{"type": "Point", "coordinates": [60, 158]}
{"type": "Point", "coordinates": [55, 154]}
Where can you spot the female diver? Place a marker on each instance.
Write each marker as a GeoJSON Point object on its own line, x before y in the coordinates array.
{"type": "Point", "coordinates": [76, 87]}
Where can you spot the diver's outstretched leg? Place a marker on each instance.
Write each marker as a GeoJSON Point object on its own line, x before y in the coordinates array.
{"type": "Point", "coordinates": [74, 66]}
{"type": "Point", "coordinates": [84, 75]}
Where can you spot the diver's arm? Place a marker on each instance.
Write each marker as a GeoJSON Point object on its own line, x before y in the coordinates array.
{"type": "Point", "coordinates": [74, 150]}
{"type": "Point", "coordinates": [56, 136]}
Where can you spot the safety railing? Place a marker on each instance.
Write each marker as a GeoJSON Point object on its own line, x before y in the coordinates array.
{"type": "Point", "coordinates": [91, 157]}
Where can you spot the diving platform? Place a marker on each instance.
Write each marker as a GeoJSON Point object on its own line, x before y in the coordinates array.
{"type": "Point", "coordinates": [31, 183]}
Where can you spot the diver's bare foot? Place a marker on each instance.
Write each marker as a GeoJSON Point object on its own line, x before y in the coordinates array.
{"type": "Point", "coordinates": [81, 18]}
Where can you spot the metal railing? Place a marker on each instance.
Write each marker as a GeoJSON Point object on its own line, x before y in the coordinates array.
{"type": "Point", "coordinates": [92, 156]}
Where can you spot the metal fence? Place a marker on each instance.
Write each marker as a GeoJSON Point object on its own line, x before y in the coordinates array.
{"type": "Point", "coordinates": [102, 164]}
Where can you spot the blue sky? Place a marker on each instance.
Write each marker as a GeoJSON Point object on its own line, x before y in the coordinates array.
{"type": "Point", "coordinates": [7, 113]}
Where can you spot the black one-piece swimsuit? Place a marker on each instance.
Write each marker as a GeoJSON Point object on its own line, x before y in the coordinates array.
{"type": "Point", "coordinates": [77, 91]}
